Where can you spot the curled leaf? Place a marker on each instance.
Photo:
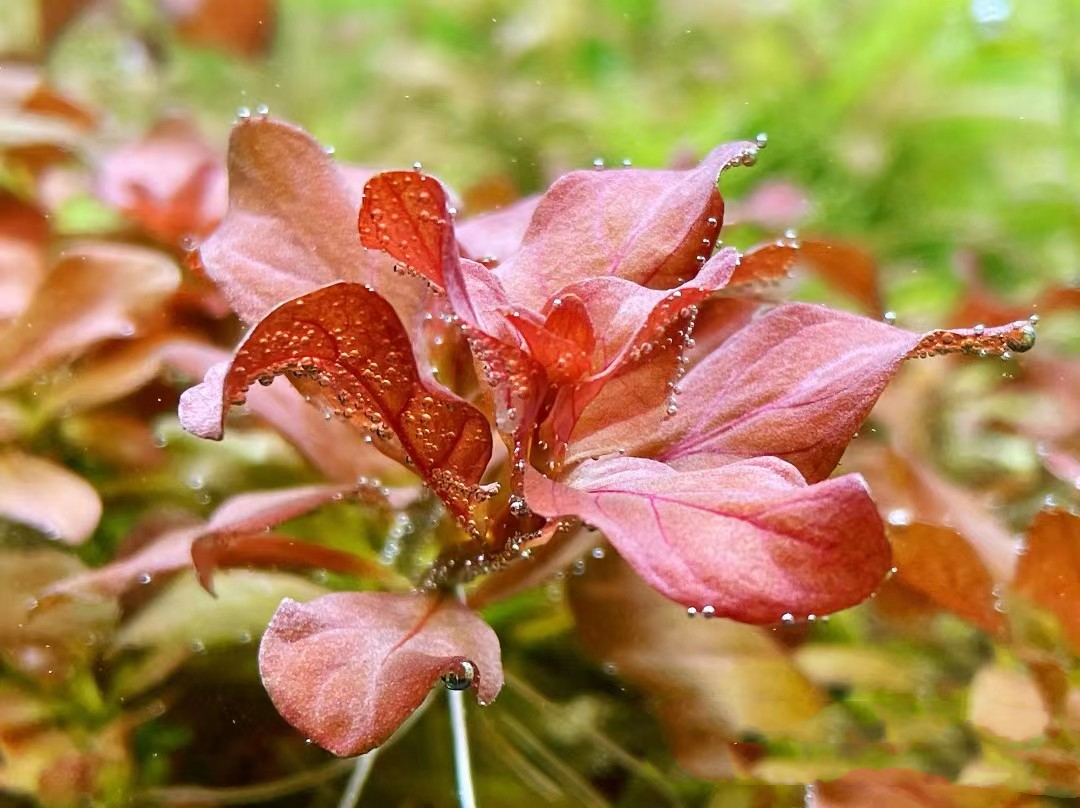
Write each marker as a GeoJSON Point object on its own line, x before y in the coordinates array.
{"type": "Point", "coordinates": [749, 540]}
{"type": "Point", "coordinates": [350, 340]}
{"type": "Point", "coordinates": [347, 669]}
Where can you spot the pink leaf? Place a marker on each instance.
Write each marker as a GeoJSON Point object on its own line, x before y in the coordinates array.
{"type": "Point", "coordinates": [492, 237]}
{"type": "Point", "coordinates": [644, 226]}
{"type": "Point", "coordinates": [796, 383]}
{"type": "Point", "coordinates": [48, 497]}
{"type": "Point", "coordinates": [347, 669]}
{"type": "Point", "coordinates": [751, 539]}
{"type": "Point", "coordinates": [291, 224]}
{"type": "Point", "coordinates": [24, 236]}
{"type": "Point", "coordinates": [350, 339]}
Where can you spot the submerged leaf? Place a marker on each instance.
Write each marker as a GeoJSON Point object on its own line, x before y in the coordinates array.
{"type": "Point", "coordinates": [347, 669]}
{"type": "Point", "coordinates": [1048, 573]}
{"type": "Point", "coordinates": [749, 540]}
{"type": "Point", "coordinates": [48, 497]}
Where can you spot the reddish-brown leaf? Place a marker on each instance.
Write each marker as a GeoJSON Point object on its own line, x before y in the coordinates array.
{"type": "Point", "coordinates": [1048, 573]}
{"type": "Point", "coordinates": [406, 215]}
{"type": "Point", "coordinates": [676, 662]}
{"type": "Point", "coordinates": [48, 497]}
{"type": "Point", "coordinates": [906, 788]}
{"type": "Point", "coordinates": [347, 669]}
{"type": "Point", "coordinates": [94, 292]}
{"type": "Point", "coordinates": [350, 339]}
{"type": "Point", "coordinates": [24, 233]}
{"type": "Point", "coordinates": [749, 540]}
{"type": "Point", "coordinates": [940, 564]}
{"type": "Point", "coordinates": [243, 27]}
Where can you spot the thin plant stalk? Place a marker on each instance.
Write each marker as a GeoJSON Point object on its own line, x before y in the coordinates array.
{"type": "Point", "coordinates": [460, 734]}
{"type": "Point", "coordinates": [361, 769]}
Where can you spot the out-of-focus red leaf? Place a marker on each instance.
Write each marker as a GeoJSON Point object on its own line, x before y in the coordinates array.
{"type": "Point", "coordinates": [291, 225]}
{"type": "Point", "coordinates": [93, 293]}
{"type": "Point", "coordinates": [771, 205]}
{"type": "Point", "coordinates": [750, 539]}
{"type": "Point", "coordinates": [796, 384]}
{"type": "Point", "coordinates": [676, 662]}
{"type": "Point", "coordinates": [243, 27]}
{"type": "Point", "coordinates": [250, 513]}
{"type": "Point", "coordinates": [655, 228]}
{"type": "Point", "coordinates": [171, 182]}
{"type": "Point", "coordinates": [350, 339]}
{"type": "Point", "coordinates": [213, 551]}
{"type": "Point", "coordinates": [1048, 573]}
{"type": "Point", "coordinates": [347, 669]}
{"type": "Point", "coordinates": [492, 237]}
{"type": "Point", "coordinates": [55, 17]}
{"type": "Point", "coordinates": [48, 497]}
{"type": "Point", "coordinates": [24, 233]}
{"type": "Point", "coordinates": [907, 788]}
{"type": "Point", "coordinates": [844, 267]}
{"type": "Point", "coordinates": [406, 215]}
{"type": "Point", "coordinates": [38, 126]}
{"type": "Point", "coordinates": [335, 447]}
{"type": "Point", "coordinates": [940, 564]}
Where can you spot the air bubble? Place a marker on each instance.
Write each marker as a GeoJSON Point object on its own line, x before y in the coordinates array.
{"type": "Point", "coordinates": [598, 162]}
{"type": "Point", "coordinates": [243, 113]}
{"type": "Point", "coordinates": [262, 110]}
{"type": "Point", "coordinates": [890, 317]}
{"type": "Point", "coordinates": [787, 617]}
{"type": "Point", "coordinates": [761, 139]}
{"type": "Point", "coordinates": [899, 517]}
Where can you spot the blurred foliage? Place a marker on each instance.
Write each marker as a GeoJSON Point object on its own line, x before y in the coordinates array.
{"type": "Point", "coordinates": [937, 135]}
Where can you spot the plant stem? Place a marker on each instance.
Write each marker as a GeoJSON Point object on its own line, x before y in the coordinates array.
{"type": "Point", "coordinates": [357, 779]}
{"type": "Point", "coordinates": [460, 735]}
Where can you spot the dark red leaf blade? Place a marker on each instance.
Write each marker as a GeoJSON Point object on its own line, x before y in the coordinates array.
{"type": "Point", "coordinates": [406, 215]}
{"type": "Point", "coordinates": [750, 539]}
{"type": "Point", "coordinates": [350, 339]}
{"type": "Point", "coordinates": [1048, 573]}
{"type": "Point", "coordinates": [213, 551]}
{"type": "Point", "coordinates": [347, 669]}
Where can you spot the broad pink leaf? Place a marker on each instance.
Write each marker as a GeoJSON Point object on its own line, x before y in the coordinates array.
{"type": "Point", "coordinates": [291, 224]}
{"type": "Point", "coordinates": [350, 339]}
{"type": "Point", "coordinates": [48, 497]}
{"type": "Point", "coordinates": [171, 182]}
{"type": "Point", "coordinates": [249, 513]}
{"type": "Point", "coordinates": [796, 384]}
{"type": "Point", "coordinates": [649, 227]}
{"type": "Point", "coordinates": [347, 669]}
{"type": "Point", "coordinates": [491, 238]}
{"type": "Point", "coordinates": [93, 293]}
{"type": "Point", "coordinates": [750, 539]}
{"type": "Point", "coordinates": [406, 215]}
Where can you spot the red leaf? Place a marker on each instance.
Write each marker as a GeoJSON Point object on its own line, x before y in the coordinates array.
{"type": "Point", "coordinates": [906, 788]}
{"type": "Point", "coordinates": [214, 551]}
{"type": "Point", "coordinates": [1048, 573]}
{"type": "Point", "coordinates": [24, 235]}
{"type": "Point", "coordinates": [796, 384]}
{"type": "Point", "coordinates": [350, 339]}
{"type": "Point", "coordinates": [751, 539]}
{"type": "Point", "coordinates": [648, 227]}
{"type": "Point", "coordinates": [243, 27]}
{"type": "Point", "coordinates": [48, 497]}
{"type": "Point", "coordinates": [171, 182]}
{"type": "Point", "coordinates": [406, 215]}
{"type": "Point", "coordinates": [937, 562]}
{"type": "Point", "coordinates": [291, 225]}
{"type": "Point", "coordinates": [347, 669]}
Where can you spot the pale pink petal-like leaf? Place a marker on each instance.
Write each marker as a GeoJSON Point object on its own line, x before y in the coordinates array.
{"type": "Point", "coordinates": [48, 497]}
{"type": "Point", "coordinates": [493, 237]}
{"type": "Point", "coordinates": [644, 226]}
{"type": "Point", "coordinates": [750, 539]}
{"type": "Point", "coordinates": [93, 293]}
{"type": "Point", "coordinates": [347, 669]}
{"type": "Point", "coordinates": [172, 182]}
{"type": "Point", "coordinates": [291, 225]}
